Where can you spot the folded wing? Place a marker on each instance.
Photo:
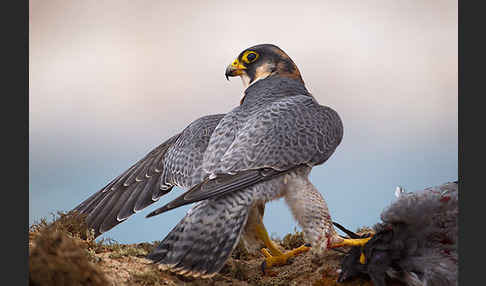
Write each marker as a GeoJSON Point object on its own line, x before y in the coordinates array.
{"type": "Point", "coordinates": [279, 138]}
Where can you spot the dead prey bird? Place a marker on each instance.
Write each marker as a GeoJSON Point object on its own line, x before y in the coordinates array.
{"type": "Point", "coordinates": [416, 243]}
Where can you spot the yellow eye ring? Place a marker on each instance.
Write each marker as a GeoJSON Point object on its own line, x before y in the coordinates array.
{"type": "Point", "coordinates": [250, 56]}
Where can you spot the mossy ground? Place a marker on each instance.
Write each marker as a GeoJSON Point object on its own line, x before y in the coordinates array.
{"type": "Point", "coordinates": [63, 252]}
{"type": "Point", "coordinates": [59, 254]}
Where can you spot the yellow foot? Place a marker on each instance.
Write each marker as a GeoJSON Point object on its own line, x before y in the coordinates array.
{"type": "Point", "coordinates": [351, 242]}
{"type": "Point", "coordinates": [354, 242]}
{"type": "Point", "coordinates": [279, 258]}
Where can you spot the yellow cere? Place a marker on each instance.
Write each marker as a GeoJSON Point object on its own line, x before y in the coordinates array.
{"type": "Point", "coordinates": [238, 65]}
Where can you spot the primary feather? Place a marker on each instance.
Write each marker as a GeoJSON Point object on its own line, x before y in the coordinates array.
{"type": "Point", "coordinates": [176, 162]}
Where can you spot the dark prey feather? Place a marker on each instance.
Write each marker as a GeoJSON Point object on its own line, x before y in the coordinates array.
{"type": "Point", "coordinates": [416, 243]}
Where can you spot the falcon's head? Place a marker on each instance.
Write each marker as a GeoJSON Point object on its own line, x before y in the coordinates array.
{"type": "Point", "coordinates": [261, 61]}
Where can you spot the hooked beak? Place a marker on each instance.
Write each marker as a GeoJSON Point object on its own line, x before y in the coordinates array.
{"type": "Point", "coordinates": [234, 69]}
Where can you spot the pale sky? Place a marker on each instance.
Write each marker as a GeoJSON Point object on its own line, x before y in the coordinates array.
{"type": "Point", "coordinates": [110, 80]}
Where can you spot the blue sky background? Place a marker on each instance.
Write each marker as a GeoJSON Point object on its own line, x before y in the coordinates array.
{"type": "Point", "coordinates": [110, 80]}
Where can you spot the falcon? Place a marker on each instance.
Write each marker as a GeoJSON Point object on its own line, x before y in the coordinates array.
{"type": "Point", "coordinates": [231, 165]}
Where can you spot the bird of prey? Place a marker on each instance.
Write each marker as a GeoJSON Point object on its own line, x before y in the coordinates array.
{"type": "Point", "coordinates": [416, 243]}
{"type": "Point", "coordinates": [231, 165]}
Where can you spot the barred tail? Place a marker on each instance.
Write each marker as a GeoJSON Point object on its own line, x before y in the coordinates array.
{"type": "Point", "coordinates": [202, 241]}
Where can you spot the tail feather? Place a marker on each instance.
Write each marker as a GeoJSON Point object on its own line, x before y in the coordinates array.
{"type": "Point", "coordinates": [202, 241]}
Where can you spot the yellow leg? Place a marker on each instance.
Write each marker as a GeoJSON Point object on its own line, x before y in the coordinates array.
{"type": "Point", "coordinates": [263, 235]}
{"type": "Point", "coordinates": [275, 256]}
{"type": "Point", "coordinates": [354, 242]}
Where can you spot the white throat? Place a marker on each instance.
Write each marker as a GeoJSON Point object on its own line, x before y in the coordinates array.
{"type": "Point", "coordinates": [246, 79]}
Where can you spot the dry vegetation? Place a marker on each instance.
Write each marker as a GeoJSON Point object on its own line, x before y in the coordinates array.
{"type": "Point", "coordinates": [64, 252]}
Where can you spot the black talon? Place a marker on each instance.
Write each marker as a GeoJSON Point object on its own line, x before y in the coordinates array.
{"type": "Point", "coordinates": [264, 264]}
{"type": "Point", "coordinates": [346, 231]}
{"type": "Point", "coordinates": [308, 245]}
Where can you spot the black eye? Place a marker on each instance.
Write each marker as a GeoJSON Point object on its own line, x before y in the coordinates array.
{"type": "Point", "coordinates": [251, 57]}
